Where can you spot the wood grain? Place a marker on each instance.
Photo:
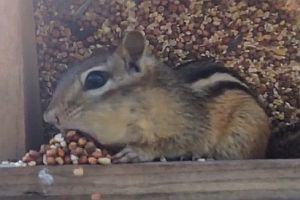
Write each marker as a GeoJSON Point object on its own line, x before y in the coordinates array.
{"type": "Point", "coordinates": [235, 180]}
{"type": "Point", "coordinates": [12, 137]}
{"type": "Point", "coordinates": [19, 102]}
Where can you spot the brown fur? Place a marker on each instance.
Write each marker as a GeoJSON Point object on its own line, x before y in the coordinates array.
{"type": "Point", "coordinates": [240, 127]}
{"type": "Point", "coordinates": [154, 113]}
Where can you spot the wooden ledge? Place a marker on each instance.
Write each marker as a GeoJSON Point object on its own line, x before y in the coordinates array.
{"type": "Point", "coordinates": [234, 180]}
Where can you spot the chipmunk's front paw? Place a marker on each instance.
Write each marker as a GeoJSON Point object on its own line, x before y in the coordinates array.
{"type": "Point", "coordinates": [132, 155]}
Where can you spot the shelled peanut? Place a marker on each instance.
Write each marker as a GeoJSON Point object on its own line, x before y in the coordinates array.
{"type": "Point", "coordinates": [71, 149]}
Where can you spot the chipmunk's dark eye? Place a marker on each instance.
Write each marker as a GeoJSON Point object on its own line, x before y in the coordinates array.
{"type": "Point", "coordinates": [95, 79]}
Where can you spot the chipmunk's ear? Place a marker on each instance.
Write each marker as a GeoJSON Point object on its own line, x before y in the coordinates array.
{"type": "Point", "coordinates": [133, 45]}
{"type": "Point", "coordinates": [132, 51]}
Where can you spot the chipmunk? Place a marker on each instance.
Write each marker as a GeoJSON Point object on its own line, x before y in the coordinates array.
{"type": "Point", "coordinates": [128, 98]}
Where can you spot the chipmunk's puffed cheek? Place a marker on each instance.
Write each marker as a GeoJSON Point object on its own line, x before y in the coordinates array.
{"type": "Point", "coordinates": [108, 126]}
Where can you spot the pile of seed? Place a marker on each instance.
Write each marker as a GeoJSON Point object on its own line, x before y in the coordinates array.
{"type": "Point", "coordinates": [259, 39]}
{"type": "Point", "coordinates": [71, 149]}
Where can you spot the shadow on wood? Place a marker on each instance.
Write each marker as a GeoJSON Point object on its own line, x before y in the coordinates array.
{"type": "Point", "coordinates": [234, 180]}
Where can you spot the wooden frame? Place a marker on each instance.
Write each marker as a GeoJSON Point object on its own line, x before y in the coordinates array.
{"type": "Point", "coordinates": [20, 115]}
{"type": "Point", "coordinates": [20, 120]}
{"type": "Point", "coordinates": [234, 180]}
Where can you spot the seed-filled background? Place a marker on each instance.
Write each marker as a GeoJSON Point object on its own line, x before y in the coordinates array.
{"type": "Point", "coordinates": [259, 39]}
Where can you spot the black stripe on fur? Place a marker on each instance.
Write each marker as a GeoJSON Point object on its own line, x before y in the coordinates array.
{"type": "Point", "coordinates": [195, 70]}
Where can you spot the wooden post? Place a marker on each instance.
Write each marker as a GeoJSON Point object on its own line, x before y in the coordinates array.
{"type": "Point", "coordinates": [20, 121]}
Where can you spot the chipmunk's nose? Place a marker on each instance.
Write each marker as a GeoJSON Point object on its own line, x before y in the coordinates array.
{"type": "Point", "coordinates": [51, 116]}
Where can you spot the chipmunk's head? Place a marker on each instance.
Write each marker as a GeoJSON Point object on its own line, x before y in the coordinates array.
{"type": "Point", "coordinates": [97, 96]}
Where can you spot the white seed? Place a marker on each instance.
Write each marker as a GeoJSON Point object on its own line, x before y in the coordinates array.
{"type": "Point", "coordinates": [78, 171]}
{"type": "Point", "coordinates": [104, 161]}
{"type": "Point", "coordinates": [63, 144]}
{"type": "Point", "coordinates": [19, 164]}
{"type": "Point", "coordinates": [73, 157]}
{"type": "Point", "coordinates": [58, 137]}
{"type": "Point", "coordinates": [32, 163]}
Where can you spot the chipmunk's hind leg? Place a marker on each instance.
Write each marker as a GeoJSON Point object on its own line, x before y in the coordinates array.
{"type": "Point", "coordinates": [236, 146]}
{"type": "Point", "coordinates": [242, 129]}
{"type": "Point", "coordinates": [244, 139]}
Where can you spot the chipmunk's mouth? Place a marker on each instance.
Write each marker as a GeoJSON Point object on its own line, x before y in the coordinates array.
{"type": "Point", "coordinates": [84, 134]}
{"type": "Point", "coordinates": [111, 148]}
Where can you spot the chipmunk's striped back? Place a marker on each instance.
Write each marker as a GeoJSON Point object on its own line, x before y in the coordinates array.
{"type": "Point", "coordinates": [237, 121]}
{"type": "Point", "coordinates": [211, 78]}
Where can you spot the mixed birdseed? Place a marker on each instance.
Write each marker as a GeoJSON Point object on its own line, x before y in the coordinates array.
{"type": "Point", "coordinates": [259, 39]}
{"type": "Point", "coordinates": [69, 149]}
